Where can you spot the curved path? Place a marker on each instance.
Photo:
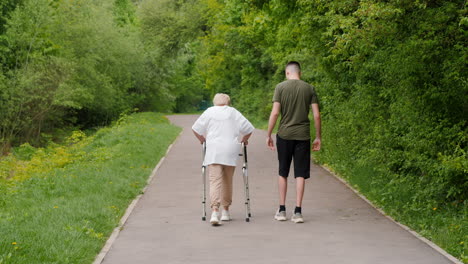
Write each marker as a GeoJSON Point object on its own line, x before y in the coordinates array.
{"type": "Point", "coordinates": [166, 226]}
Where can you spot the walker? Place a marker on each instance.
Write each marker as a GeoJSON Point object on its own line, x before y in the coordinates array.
{"type": "Point", "coordinates": [244, 175]}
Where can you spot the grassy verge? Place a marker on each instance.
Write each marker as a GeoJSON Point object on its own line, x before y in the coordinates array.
{"type": "Point", "coordinates": [59, 204]}
{"type": "Point", "coordinates": [444, 224]}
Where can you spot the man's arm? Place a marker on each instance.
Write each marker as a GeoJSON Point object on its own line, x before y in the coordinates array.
{"type": "Point", "coordinates": [275, 111]}
{"type": "Point", "coordinates": [200, 137]}
{"type": "Point", "coordinates": [318, 128]}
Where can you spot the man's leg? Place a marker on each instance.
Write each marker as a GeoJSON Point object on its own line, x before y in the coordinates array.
{"type": "Point", "coordinates": [301, 172]}
{"type": "Point", "coordinates": [297, 215]}
{"type": "Point", "coordinates": [300, 184]}
{"type": "Point", "coordinates": [285, 153]}
{"type": "Point", "coordinates": [301, 168]}
{"type": "Point", "coordinates": [282, 188]}
{"type": "Point", "coordinates": [285, 150]}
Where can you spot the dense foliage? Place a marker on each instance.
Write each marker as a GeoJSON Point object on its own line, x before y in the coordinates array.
{"type": "Point", "coordinates": [83, 62]}
{"type": "Point", "coordinates": [392, 82]}
{"type": "Point", "coordinates": [391, 77]}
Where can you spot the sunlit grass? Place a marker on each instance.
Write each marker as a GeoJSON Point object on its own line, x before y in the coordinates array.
{"type": "Point", "coordinates": [65, 212]}
{"type": "Point", "coordinates": [445, 224]}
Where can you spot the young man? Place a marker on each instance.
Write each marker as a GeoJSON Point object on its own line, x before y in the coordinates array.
{"type": "Point", "coordinates": [292, 99]}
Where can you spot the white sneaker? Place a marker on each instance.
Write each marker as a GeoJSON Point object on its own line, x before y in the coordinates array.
{"type": "Point", "coordinates": [214, 218]}
{"type": "Point", "coordinates": [280, 216]}
{"type": "Point", "coordinates": [297, 218]}
{"type": "Point", "coordinates": [225, 215]}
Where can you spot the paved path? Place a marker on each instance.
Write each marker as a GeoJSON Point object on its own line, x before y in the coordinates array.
{"type": "Point", "coordinates": [339, 227]}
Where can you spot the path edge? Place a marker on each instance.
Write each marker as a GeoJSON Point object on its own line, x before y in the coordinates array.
{"type": "Point", "coordinates": [110, 241]}
{"type": "Point", "coordinates": [411, 231]}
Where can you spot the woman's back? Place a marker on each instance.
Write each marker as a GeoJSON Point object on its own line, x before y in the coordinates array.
{"type": "Point", "coordinates": [222, 126]}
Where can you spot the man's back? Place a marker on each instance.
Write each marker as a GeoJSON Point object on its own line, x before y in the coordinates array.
{"type": "Point", "coordinates": [295, 97]}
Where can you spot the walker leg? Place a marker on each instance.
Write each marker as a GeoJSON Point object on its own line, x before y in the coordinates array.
{"type": "Point", "coordinates": [204, 182]}
{"type": "Point", "coordinates": [246, 184]}
{"type": "Point", "coordinates": [204, 193]}
{"type": "Point", "coordinates": [246, 193]}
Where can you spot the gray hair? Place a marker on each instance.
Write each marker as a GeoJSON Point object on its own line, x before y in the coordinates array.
{"type": "Point", "coordinates": [221, 99]}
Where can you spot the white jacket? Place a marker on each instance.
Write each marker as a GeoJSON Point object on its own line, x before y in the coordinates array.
{"type": "Point", "coordinates": [223, 127]}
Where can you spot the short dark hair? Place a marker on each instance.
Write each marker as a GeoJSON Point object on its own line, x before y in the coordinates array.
{"type": "Point", "coordinates": [295, 65]}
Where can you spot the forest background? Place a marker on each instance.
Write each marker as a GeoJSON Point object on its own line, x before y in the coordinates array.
{"type": "Point", "coordinates": [391, 78]}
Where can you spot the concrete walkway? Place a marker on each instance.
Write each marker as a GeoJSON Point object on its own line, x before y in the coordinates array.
{"type": "Point", "coordinates": [166, 227]}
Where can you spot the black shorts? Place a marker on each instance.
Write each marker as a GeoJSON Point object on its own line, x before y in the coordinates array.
{"type": "Point", "coordinates": [299, 150]}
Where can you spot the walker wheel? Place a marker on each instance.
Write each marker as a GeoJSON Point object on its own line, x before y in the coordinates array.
{"type": "Point", "coordinates": [247, 219]}
{"type": "Point", "coordinates": [203, 218]}
{"type": "Point", "coordinates": [250, 215]}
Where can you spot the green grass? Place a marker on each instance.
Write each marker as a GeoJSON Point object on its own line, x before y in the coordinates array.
{"type": "Point", "coordinates": [444, 224]}
{"type": "Point", "coordinates": [65, 211]}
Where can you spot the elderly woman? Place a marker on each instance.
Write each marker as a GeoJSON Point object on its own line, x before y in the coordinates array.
{"type": "Point", "coordinates": [223, 128]}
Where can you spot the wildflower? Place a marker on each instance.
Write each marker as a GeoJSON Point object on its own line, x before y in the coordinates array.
{"type": "Point", "coordinates": [435, 208]}
{"type": "Point", "coordinates": [461, 243]}
{"type": "Point", "coordinates": [56, 207]}
{"type": "Point", "coordinates": [13, 243]}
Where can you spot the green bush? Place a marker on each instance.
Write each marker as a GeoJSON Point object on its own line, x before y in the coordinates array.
{"type": "Point", "coordinates": [393, 96]}
{"type": "Point", "coordinates": [392, 82]}
{"type": "Point", "coordinates": [82, 63]}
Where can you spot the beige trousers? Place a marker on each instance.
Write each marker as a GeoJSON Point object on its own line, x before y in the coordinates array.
{"type": "Point", "coordinates": [220, 184]}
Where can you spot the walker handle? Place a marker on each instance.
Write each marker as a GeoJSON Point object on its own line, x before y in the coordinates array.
{"type": "Point", "coordinates": [244, 147]}
{"type": "Point", "coordinates": [203, 152]}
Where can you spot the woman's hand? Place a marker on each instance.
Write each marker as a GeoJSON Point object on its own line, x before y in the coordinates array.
{"type": "Point", "coordinates": [245, 139]}
{"type": "Point", "coordinates": [201, 138]}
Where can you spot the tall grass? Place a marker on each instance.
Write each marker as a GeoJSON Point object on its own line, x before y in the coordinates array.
{"type": "Point", "coordinates": [444, 224]}
{"type": "Point", "coordinates": [59, 205]}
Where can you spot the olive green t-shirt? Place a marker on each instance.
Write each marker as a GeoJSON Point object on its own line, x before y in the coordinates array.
{"type": "Point", "coordinates": [295, 98]}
